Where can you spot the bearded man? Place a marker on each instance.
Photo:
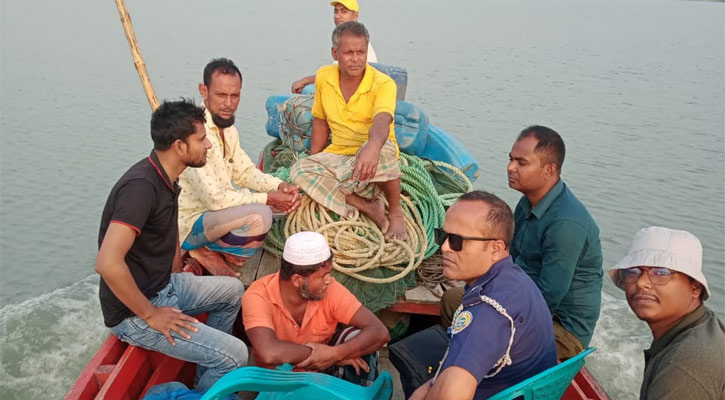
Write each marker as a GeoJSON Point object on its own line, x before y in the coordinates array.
{"type": "Point", "coordinates": [225, 207]}
{"type": "Point", "coordinates": [301, 315]}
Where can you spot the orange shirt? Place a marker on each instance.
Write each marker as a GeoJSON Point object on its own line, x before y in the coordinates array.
{"type": "Point", "coordinates": [262, 306]}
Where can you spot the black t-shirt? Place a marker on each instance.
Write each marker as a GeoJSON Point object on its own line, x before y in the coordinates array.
{"type": "Point", "coordinates": [146, 201]}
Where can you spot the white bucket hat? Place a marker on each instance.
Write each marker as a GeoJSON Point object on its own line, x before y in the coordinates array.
{"type": "Point", "coordinates": [306, 248]}
{"type": "Point", "coordinates": [655, 246]}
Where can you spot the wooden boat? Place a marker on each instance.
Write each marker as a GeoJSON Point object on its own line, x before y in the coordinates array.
{"type": "Point", "coordinates": [122, 371]}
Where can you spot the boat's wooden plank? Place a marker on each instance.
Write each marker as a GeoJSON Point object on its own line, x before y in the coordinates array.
{"type": "Point", "coordinates": [268, 265]}
{"type": "Point", "coordinates": [419, 300]}
{"type": "Point", "coordinates": [129, 376]}
{"type": "Point", "coordinates": [573, 392]}
{"type": "Point", "coordinates": [166, 369]}
{"type": "Point", "coordinates": [249, 270]}
{"type": "Point", "coordinates": [415, 308]}
{"type": "Point", "coordinates": [102, 373]}
{"type": "Point", "coordinates": [421, 294]}
{"type": "Point", "coordinates": [586, 384]}
{"type": "Point", "coordinates": [385, 365]}
{"type": "Point", "coordinates": [86, 386]}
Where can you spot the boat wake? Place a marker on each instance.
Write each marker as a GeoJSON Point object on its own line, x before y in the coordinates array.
{"type": "Point", "coordinates": [618, 363]}
{"type": "Point", "coordinates": [47, 340]}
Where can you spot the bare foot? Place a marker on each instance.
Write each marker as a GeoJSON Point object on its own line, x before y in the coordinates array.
{"type": "Point", "coordinates": [396, 229]}
{"type": "Point", "coordinates": [375, 210]}
{"type": "Point", "coordinates": [193, 266]}
{"type": "Point", "coordinates": [236, 261]}
{"type": "Point", "coordinates": [213, 262]}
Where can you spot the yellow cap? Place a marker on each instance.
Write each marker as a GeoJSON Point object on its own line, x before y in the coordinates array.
{"type": "Point", "coordinates": [349, 4]}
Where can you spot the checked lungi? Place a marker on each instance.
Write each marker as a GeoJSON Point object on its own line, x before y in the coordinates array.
{"type": "Point", "coordinates": [327, 177]}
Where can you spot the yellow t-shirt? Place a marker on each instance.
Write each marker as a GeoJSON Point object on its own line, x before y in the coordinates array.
{"type": "Point", "coordinates": [350, 121]}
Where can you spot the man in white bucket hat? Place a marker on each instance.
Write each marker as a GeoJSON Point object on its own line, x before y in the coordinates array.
{"type": "Point", "coordinates": [292, 316]}
{"type": "Point", "coordinates": [665, 287]}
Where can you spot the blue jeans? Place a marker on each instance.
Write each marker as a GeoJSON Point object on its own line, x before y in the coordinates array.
{"type": "Point", "coordinates": [212, 348]}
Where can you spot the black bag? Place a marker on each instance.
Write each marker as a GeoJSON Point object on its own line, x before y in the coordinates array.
{"type": "Point", "coordinates": [418, 356]}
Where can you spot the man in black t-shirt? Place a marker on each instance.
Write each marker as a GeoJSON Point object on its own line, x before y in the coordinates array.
{"type": "Point", "coordinates": [143, 303]}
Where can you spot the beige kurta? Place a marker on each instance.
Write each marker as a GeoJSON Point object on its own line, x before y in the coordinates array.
{"type": "Point", "coordinates": [212, 187]}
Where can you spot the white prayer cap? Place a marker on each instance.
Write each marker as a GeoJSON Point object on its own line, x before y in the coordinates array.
{"type": "Point", "coordinates": [306, 248]}
{"type": "Point", "coordinates": [663, 247]}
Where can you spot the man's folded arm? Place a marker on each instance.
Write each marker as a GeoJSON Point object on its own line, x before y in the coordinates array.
{"type": "Point", "coordinates": [373, 335]}
{"type": "Point", "coordinates": [272, 351]}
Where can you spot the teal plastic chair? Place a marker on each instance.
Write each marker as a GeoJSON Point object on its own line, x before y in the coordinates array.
{"type": "Point", "coordinates": [282, 383]}
{"type": "Point", "coordinates": [547, 385]}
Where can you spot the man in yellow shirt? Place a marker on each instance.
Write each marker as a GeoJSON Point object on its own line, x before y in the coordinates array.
{"type": "Point", "coordinates": [225, 207]}
{"type": "Point", "coordinates": [355, 103]}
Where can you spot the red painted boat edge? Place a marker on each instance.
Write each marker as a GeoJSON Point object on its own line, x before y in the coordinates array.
{"type": "Point", "coordinates": [86, 386]}
{"type": "Point", "coordinates": [135, 370]}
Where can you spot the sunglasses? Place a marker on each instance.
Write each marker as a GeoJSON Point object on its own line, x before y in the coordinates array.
{"type": "Point", "coordinates": [455, 242]}
{"type": "Point", "coordinates": [657, 275]}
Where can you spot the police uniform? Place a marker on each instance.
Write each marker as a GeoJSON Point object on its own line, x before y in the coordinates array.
{"type": "Point", "coordinates": [502, 333]}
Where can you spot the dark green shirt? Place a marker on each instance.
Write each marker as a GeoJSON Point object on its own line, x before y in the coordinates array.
{"type": "Point", "coordinates": [687, 362]}
{"type": "Point", "coordinates": [557, 244]}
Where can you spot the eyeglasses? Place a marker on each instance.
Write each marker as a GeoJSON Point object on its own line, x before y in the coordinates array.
{"type": "Point", "coordinates": [454, 241]}
{"type": "Point", "coordinates": [657, 275]}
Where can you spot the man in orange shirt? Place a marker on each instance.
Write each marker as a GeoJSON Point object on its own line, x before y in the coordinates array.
{"type": "Point", "coordinates": [292, 316]}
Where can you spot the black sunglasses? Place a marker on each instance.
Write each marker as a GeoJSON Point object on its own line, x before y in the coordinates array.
{"type": "Point", "coordinates": [455, 242]}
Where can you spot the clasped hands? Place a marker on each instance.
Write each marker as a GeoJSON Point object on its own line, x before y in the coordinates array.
{"type": "Point", "coordinates": [286, 198]}
{"type": "Point", "coordinates": [323, 357]}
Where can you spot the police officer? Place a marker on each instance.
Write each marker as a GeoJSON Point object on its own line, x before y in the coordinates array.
{"type": "Point", "coordinates": [502, 333]}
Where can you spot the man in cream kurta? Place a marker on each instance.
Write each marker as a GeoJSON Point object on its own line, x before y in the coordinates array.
{"type": "Point", "coordinates": [225, 206]}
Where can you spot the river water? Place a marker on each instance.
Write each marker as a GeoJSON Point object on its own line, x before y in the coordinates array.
{"type": "Point", "coordinates": [636, 88]}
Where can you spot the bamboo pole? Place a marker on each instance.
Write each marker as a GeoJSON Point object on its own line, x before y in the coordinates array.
{"type": "Point", "coordinates": [137, 58]}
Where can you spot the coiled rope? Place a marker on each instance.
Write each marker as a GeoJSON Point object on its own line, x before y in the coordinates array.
{"type": "Point", "coordinates": [357, 243]}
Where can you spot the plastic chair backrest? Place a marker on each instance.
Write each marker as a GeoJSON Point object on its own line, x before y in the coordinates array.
{"type": "Point", "coordinates": [276, 384]}
{"type": "Point", "coordinates": [546, 385]}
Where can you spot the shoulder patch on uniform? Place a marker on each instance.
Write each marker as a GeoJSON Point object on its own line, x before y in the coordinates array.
{"type": "Point", "coordinates": [463, 319]}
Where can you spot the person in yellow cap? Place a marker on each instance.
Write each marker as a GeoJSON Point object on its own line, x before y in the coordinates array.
{"type": "Point", "coordinates": [345, 10]}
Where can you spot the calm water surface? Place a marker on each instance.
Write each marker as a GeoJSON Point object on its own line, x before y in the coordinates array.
{"type": "Point", "coordinates": [634, 87]}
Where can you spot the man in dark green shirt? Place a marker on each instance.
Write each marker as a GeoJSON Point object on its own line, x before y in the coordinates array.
{"type": "Point", "coordinates": [556, 240]}
{"type": "Point", "coordinates": [665, 287]}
